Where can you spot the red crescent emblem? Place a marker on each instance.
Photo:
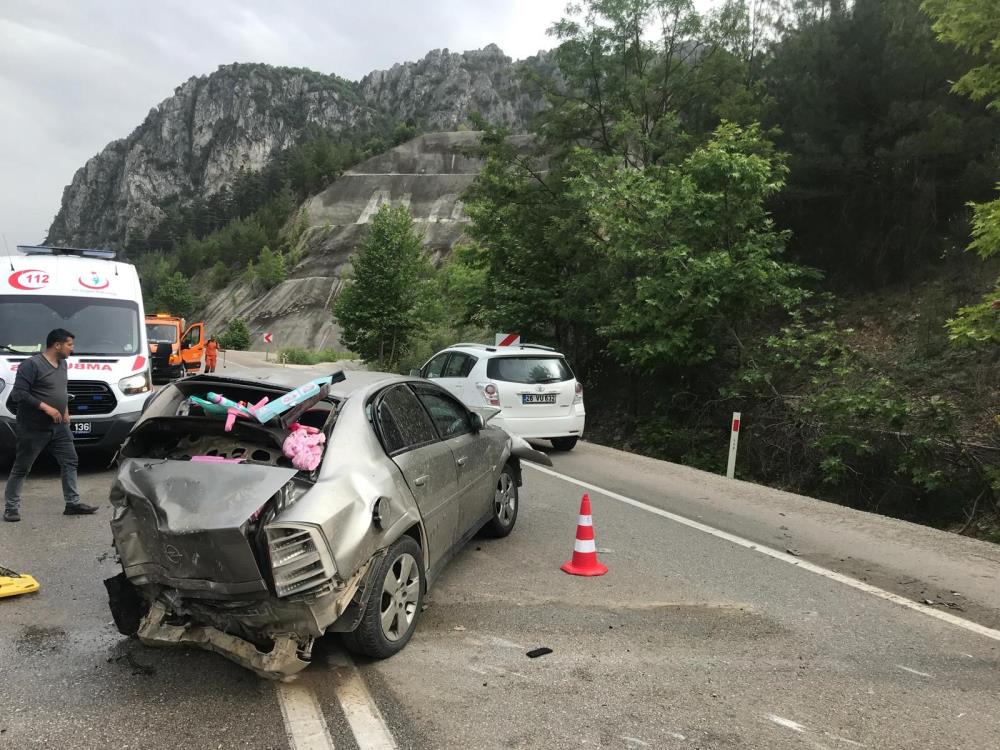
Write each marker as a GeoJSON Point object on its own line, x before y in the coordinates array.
{"type": "Point", "coordinates": [28, 279]}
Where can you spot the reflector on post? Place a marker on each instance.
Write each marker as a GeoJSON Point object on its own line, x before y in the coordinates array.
{"type": "Point", "coordinates": [734, 440]}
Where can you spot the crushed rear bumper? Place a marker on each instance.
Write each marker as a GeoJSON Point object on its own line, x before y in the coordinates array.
{"type": "Point", "coordinates": [282, 662]}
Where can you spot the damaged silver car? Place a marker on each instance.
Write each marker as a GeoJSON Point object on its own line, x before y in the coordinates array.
{"type": "Point", "coordinates": [254, 515]}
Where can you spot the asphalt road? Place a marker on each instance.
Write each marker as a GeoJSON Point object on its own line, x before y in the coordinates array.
{"type": "Point", "coordinates": [698, 637]}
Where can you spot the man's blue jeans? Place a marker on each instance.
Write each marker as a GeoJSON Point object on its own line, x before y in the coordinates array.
{"type": "Point", "coordinates": [31, 441]}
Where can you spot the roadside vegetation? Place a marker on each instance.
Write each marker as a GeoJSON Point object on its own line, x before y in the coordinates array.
{"type": "Point", "coordinates": [733, 212]}
{"type": "Point", "coordinates": [298, 356]}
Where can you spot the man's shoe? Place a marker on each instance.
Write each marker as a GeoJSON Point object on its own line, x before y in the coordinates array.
{"type": "Point", "coordinates": [11, 515]}
{"type": "Point", "coordinates": [79, 510]}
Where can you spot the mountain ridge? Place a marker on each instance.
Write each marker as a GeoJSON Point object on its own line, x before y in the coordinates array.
{"type": "Point", "coordinates": [236, 118]}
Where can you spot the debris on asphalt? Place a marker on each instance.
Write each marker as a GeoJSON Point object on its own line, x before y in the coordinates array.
{"type": "Point", "coordinates": [536, 652]}
{"type": "Point", "coordinates": [138, 668]}
{"type": "Point", "coordinates": [459, 628]}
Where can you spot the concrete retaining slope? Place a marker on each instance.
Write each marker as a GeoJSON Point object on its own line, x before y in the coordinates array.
{"type": "Point", "coordinates": [429, 174]}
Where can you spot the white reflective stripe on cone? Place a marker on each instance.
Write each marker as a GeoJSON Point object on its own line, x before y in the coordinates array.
{"type": "Point", "coordinates": [584, 545]}
{"type": "Point", "coordinates": [585, 521]}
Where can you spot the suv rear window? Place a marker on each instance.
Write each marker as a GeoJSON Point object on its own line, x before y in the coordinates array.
{"type": "Point", "coordinates": [528, 369]}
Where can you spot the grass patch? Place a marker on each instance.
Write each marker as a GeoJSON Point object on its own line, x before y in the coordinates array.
{"type": "Point", "coordinates": [297, 356]}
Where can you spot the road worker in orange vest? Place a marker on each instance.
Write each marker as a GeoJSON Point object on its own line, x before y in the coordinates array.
{"type": "Point", "coordinates": [211, 354]}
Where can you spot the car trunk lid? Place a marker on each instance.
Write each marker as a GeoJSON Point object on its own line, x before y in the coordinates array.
{"type": "Point", "coordinates": [183, 524]}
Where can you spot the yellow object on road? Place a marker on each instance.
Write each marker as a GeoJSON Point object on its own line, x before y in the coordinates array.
{"type": "Point", "coordinates": [13, 584]}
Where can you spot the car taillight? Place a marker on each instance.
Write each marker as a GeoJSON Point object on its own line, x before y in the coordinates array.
{"type": "Point", "coordinates": [579, 393]}
{"type": "Point", "coordinates": [299, 559]}
{"type": "Point", "coordinates": [490, 392]}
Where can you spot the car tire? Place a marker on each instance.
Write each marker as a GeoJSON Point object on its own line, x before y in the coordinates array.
{"type": "Point", "coordinates": [393, 605]}
{"type": "Point", "coordinates": [505, 505]}
{"type": "Point", "coordinates": [564, 443]}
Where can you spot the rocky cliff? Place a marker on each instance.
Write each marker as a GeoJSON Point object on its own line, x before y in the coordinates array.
{"type": "Point", "coordinates": [213, 126]}
{"type": "Point", "coordinates": [428, 174]}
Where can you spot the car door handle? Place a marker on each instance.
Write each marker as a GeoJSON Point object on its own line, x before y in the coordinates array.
{"type": "Point", "coordinates": [463, 461]}
{"type": "Point", "coordinates": [421, 480]}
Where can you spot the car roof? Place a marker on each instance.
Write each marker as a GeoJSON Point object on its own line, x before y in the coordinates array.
{"type": "Point", "coordinates": [519, 350]}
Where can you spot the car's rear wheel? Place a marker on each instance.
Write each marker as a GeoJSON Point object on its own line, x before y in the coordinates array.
{"type": "Point", "coordinates": [393, 605]}
{"type": "Point", "coordinates": [505, 504]}
{"type": "Point", "coordinates": [564, 443]}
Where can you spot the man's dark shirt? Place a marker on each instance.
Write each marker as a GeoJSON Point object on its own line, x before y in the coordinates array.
{"type": "Point", "coordinates": [38, 381]}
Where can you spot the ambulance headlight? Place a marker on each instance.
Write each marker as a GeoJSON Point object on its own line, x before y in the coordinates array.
{"type": "Point", "coordinates": [135, 384]}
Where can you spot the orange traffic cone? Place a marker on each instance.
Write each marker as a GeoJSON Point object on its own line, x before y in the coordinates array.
{"type": "Point", "coordinates": [584, 562]}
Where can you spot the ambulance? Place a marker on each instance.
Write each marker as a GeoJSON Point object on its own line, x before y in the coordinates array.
{"type": "Point", "coordinates": [98, 300]}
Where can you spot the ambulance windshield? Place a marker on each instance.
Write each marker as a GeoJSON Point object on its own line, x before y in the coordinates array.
{"type": "Point", "coordinates": [101, 327]}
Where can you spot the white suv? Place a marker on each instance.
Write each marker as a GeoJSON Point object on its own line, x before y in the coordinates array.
{"type": "Point", "coordinates": [535, 390]}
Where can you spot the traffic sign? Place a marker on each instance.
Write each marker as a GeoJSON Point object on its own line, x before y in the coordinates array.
{"type": "Point", "coordinates": [268, 338]}
{"type": "Point", "coordinates": [508, 339]}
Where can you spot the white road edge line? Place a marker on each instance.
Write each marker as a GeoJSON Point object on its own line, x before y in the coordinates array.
{"type": "Point", "coordinates": [784, 557]}
{"type": "Point", "coordinates": [305, 726]}
{"type": "Point", "coordinates": [370, 730]}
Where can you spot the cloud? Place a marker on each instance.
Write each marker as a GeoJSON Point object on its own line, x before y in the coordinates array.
{"type": "Point", "coordinates": [75, 76]}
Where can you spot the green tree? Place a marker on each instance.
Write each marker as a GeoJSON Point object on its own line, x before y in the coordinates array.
{"type": "Point", "coordinates": [236, 335]}
{"type": "Point", "coordinates": [882, 155]}
{"type": "Point", "coordinates": [270, 268]}
{"type": "Point", "coordinates": [153, 269]}
{"type": "Point", "coordinates": [174, 295]}
{"type": "Point", "coordinates": [974, 27]}
{"type": "Point", "coordinates": [692, 247]}
{"type": "Point", "coordinates": [387, 301]}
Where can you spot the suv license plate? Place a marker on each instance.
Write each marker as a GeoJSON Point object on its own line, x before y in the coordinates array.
{"type": "Point", "coordinates": [538, 398]}
{"type": "Point", "coordinates": [79, 429]}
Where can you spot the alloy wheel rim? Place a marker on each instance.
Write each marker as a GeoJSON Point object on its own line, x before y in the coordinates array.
{"type": "Point", "coordinates": [505, 500]}
{"type": "Point", "coordinates": [400, 596]}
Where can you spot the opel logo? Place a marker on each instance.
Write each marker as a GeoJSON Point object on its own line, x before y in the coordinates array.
{"type": "Point", "coordinates": [540, 388]}
{"type": "Point", "coordinates": [172, 553]}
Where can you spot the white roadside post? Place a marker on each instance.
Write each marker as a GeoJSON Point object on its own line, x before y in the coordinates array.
{"type": "Point", "coordinates": [734, 440]}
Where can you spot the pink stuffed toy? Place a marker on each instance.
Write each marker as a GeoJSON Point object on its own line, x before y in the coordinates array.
{"type": "Point", "coordinates": [304, 445]}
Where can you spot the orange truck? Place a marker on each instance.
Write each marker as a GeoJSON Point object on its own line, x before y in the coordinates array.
{"type": "Point", "coordinates": [175, 348]}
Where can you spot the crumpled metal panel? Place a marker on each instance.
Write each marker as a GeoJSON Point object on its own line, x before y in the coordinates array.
{"type": "Point", "coordinates": [179, 523]}
{"type": "Point", "coordinates": [282, 662]}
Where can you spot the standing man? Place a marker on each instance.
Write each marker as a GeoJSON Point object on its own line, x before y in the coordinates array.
{"type": "Point", "coordinates": [211, 354]}
{"type": "Point", "coordinates": [42, 397]}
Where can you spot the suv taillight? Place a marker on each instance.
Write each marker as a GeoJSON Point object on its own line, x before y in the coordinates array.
{"type": "Point", "coordinates": [491, 394]}
{"type": "Point", "coordinates": [579, 393]}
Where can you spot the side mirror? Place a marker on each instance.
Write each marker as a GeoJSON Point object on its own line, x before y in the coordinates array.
{"type": "Point", "coordinates": [478, 422]}
{"type": "Point", "coordinates": [414, 372]}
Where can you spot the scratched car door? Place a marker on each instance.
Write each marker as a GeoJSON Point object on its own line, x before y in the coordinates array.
{"type": "Point", "coordinates": [426, 462]}
{"type": "Point", "coordinates": [471, 451]}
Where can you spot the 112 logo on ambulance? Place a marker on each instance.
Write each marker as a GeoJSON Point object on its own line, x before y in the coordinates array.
{"type": "Point", "coordinates": [28, 279]}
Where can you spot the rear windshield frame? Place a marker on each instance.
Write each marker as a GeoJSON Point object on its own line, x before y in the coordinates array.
{"type": "Point", "coordinates": [495, 369]}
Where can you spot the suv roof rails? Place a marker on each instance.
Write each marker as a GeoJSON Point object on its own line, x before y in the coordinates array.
{"type": "Point", "coordinates": [472, 345]}
{"type": "Point", "coordinates": [77, 251]}
{"type": "Point", "coordinates": [536, 346]}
